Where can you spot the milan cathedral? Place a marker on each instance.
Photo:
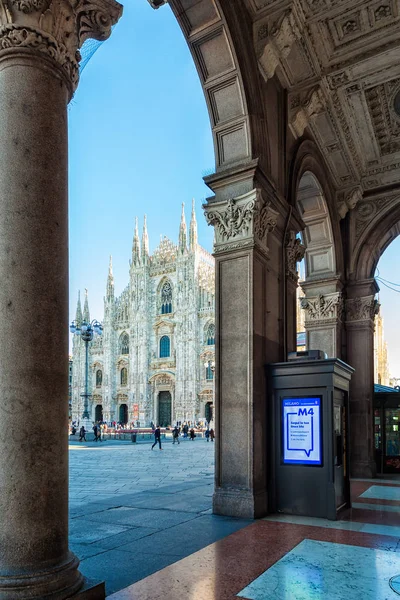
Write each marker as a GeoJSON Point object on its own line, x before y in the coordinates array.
{"type": "Point", "coordinates": [155, 359]}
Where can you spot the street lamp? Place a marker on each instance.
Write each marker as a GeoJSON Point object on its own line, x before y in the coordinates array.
{"type": "Point", "coordinates": [210, 364]}
{"type": "Point", "coordinates": [86, 331]}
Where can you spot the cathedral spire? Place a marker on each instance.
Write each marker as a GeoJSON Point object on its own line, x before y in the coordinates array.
{"type": "Point", "coordinates": [145, 240]}
{"type": "Point", "coordinates": [86, 313]}
{"type": "Point", "coordinates": [182, 232]}
{"type": "Point", "coordinates": [136, 245]}
{"type": "Point", "coordinates": [193, 229]}
{"type": "Point", "coordinates": [78, 316]}
{"type": "Point", "coordinates": [110, 281]}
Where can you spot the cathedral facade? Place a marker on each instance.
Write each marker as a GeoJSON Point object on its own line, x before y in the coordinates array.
{"type": "Point", "coordinates": [154, 361]}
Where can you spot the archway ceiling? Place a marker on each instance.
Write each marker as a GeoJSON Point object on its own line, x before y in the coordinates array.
{"type": "Point", "coordinates": [338, 59]}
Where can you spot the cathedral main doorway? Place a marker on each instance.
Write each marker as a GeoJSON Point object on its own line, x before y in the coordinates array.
{"type": "Point", "coordinates": [98, 413]}
{"type": "Point", "coordinates": [164, 409]}
{"type": "Point", "coordinates": [123, 414]}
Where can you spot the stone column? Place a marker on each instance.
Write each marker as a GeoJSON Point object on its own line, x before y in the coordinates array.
{"type": "Point", "coordinates": [294, 251]}
{"type": "Point", "coordinates": [323, 317]}
{"type": "Point", "coordinates": [248, 336]}
{"type": "Point", "coordinates": [360, 314]}
{"type": "Point", "coordinates": [39, 41]}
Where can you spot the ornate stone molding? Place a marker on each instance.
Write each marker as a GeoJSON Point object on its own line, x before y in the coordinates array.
{"type": "Point", "coordinates": [55, 29]}
{"type": "Point", "coordinates": [295, 252]}
{"type": "Point", "coordinates": [362, 309]}
{"type": "Point", "coordinates": [348, 200]}
{"type": "Point", "coordinates": [275, 42]}
{"type": "Point", "coordinates": [305, 110]}
{"type": "Point", "coordinates": [323, 308]}
{"type": "Point", "coordinates": [241, 222]}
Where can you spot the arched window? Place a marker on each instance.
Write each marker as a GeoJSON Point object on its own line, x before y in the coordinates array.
{"type": "Point", "coordinates": [210, 335]}
{"type": "Point", "coordinates": [165, 346]}
{"type": "Point", "coordinates": [124, 344]}
{"type": "Point", "coordinates": [166, 298]}
{"type": "Point", "coordinates": [99, 377]}
{"type": "Point", "coordinates": [209, 372]}
{"type": "Point", "coordinates": [124, 376]}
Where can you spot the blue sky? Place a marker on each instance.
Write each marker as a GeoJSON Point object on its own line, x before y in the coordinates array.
{"type": "Point", "coordinates": [140, 142]}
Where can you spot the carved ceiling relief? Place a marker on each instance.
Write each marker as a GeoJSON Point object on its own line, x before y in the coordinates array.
{"type": "Point", "coordinates": [322, 308]}
{"type": "Point", "coordinates": [240, 222]}
{"type": "Point", "coordinates": [366, 212]}
{"type": "Point", "coordinates": [56, 29]}
{"type": "Point", "coordinates": [304, 108]}
{"type": "Point", "coordinates": [348, 200]}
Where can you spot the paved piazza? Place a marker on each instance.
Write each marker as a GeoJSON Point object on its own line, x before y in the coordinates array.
{"type": "Point", "coordinates": [134, 511]}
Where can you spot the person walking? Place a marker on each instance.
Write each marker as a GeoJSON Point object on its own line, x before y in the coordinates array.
{"type": "Point", "coordinates": [192, 434]}
{"type": "Point", "coordinates": [82, 434]}
{"type": "Point", "coordinates": [157, 437]}
{"type": "Point", "coordinates": [212, 434]}
{"type": "Point", "coordinates": [95, 430]}
{"type": "Point", "coordinates": [207, 434]}
{"type": "Point", "coordinates": [175, 435]}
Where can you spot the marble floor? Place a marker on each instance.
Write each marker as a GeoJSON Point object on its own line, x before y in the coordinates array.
{"type": "Point", "coordinates": [287, 557]}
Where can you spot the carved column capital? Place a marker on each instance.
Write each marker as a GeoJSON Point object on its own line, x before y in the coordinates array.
{"type": "Point", "coordinates": [241, 222]}
{"type": "Point", "coordinates": [362, 309]}
{"type": "Point", "coordinates": [323, 308]}
{"type": "Point", "coordinates": [294, 253]}
{"type": "Point", "coordinates": [274, 42]}
{"type": "Point", "coordinates": [55, 30]}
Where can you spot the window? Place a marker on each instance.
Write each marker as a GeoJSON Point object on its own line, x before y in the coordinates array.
{"type": "Point", "coordinates": [165, 346]}
{"type": "Point", "coordinates": [209, 372]}
{"type": "Point", "coordinates": [99, 378]}
{"type": "Point", "coordinates": [210, 335]}
{"type": "Point", "coordinates": [124, 376]}
{"type": "Point", "coordinates": [124, 344]}
{"type": "Point", "coordinates": [166, 298]}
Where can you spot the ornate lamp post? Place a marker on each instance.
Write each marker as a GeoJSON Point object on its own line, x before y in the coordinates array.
{"type": "Point", "coordinates": [210, 364]}
{"type": "Point", "coordinates": [86, 331]}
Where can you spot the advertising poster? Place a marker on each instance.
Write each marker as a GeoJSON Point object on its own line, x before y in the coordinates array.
{"type": "Point", "coordinates": [301, 431]}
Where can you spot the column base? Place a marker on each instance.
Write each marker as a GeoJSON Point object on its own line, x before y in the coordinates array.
{"type": "Point", "coordinates": [90, 591]}
{"type": "Point", "coordinates": [236, 502]}
{"type": "Point", "coordinates": [57, 583]}
{"type": "Point", "coordinates": [363, 469]}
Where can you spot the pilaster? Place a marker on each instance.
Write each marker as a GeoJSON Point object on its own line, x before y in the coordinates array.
{"type": "Point", "coordinates": [361, 308]}
{"type": "Point", "coordinates": [248, 336]}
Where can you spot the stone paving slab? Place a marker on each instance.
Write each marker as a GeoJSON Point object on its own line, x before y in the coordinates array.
{"type": "Point", "coordinates": [134, 511]}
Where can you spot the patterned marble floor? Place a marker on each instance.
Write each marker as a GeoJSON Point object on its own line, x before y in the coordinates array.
{"type": "Point", "coordinates": [294, 558]}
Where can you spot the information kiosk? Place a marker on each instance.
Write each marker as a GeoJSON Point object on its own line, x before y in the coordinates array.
{"type": "Point", "coordinates": [309, 464]}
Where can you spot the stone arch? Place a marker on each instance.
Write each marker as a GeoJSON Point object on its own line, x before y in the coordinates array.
{"type": "Point", "coordinates": [228, 72]}
{"type": "Point", "coordinates": [165, 296]}
{"type": "Point", "coordinates": [209, 334]}
{"type": "Point", "coordinates": [123, 343]}
{"type": "Point", "coordinates": [380, 230]}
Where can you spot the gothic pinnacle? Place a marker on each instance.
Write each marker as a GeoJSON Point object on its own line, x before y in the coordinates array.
{"type": "Point", "coordinates": [110, 280]}
{"type": "Point", "coordinates": [182, 232]}
{"type": "Point", "coordinates": [86, 313]}
{"type": "Point", "coordinates": [136, 245]}
{"type": "Point", "coordinates": [78, 316]}
{"type": "Point", "coordinates": [145, 239]}
{"type": "Point", "coordinates": [193, 228]}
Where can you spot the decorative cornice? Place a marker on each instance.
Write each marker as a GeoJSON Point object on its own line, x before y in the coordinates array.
{"type": "Point", "coordinates": [362, 309]}
{"type": "Point", "coordinates": [241, 222]}
{"type": "Point", "coordinates": [294, 253]}
{"type": "Point", "coordinates": [275, 42]}
{"type": "Point", "coordinates": [55, 29]}
{"type": "Point", "coordinates": [348, 200]}
{"type": "Point", "coordinates": [323, 308]}
{"type": "Point", "coordinates": [305, 109]}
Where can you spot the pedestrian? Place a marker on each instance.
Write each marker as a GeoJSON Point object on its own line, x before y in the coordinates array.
{"type": "Point", "coordinates": [175, 435]}
{"type": "Point", "coordinates": [207, 434]}
{"type": "Point", "coordinates": [100, 432]}
{"type": "Point", "coordinates": [95, 433]}
{"type": "Point", "coordinates": [192, 434]}
{"type": "Point", "coordinates": [212, 434]}
{"type": "Point", "coordinates": [82, 434]}
{"type": "Point", "coordinates": [157, 437]}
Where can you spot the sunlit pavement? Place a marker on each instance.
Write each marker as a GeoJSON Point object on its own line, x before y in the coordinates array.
{"type": "Point", "coordinates": [134, 511]}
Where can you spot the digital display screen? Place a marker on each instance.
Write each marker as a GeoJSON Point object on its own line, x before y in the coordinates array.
{"type": "Point", "coordinates": [301, 432]}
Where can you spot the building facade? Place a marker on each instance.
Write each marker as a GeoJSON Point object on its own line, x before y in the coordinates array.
{"type": "Point", "coordinates": [154, 361]}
